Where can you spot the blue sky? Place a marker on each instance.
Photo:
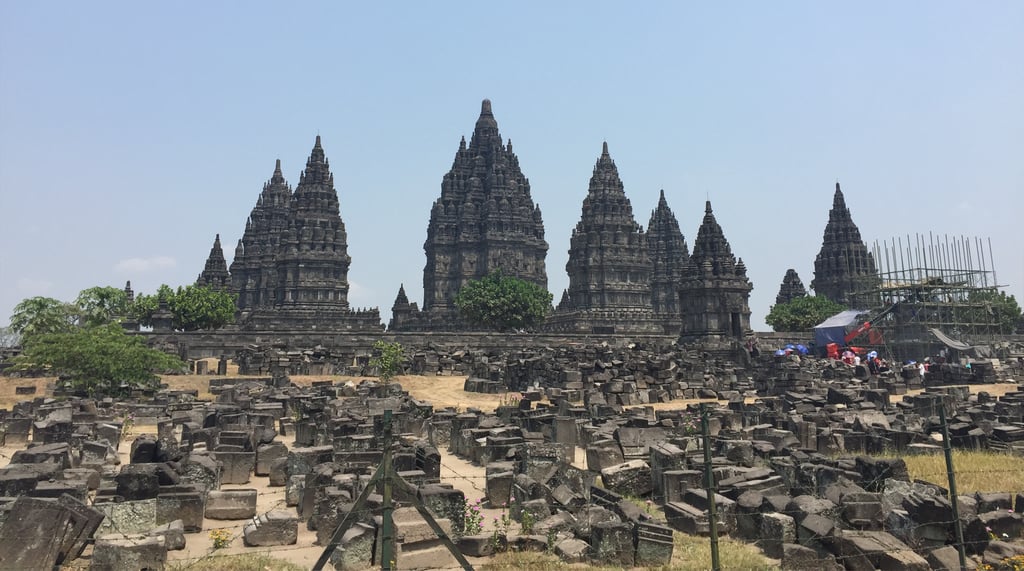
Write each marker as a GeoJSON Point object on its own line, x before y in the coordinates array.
{"type": "Point", "coordinates": [131, 133]}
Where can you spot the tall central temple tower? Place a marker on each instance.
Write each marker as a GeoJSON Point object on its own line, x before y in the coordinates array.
{"type": "Point", "coordinates": [485, 220]}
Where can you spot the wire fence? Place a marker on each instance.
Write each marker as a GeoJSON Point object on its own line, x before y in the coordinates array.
{"type": "Point", "coordinates": [843, 541]}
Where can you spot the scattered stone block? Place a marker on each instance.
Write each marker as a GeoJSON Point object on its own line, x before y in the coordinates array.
{"type": "Point", "coordinates": [231, 504]}
{"type": "Point", "coordinates": [118, 554]}
{"type": "Point", "coordinates": [276, 527]}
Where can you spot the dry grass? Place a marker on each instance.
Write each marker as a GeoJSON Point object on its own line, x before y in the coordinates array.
{"type": "Point", "coordinates": [531, 560]}
{"type": "Point", "coordinates": [690, 553]}
{"type": "Point", "coordinates": [976, 471]}
{"type": "Point", "coordinates": [246, 562]}
{"type": "Point", "coordinates": [693, 553]}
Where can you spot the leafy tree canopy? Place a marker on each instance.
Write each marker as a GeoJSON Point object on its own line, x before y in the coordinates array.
{"type": "Point", "coordinates": [802, 313]}
{"type": "Point", "coordinates": [192, 307]}
{"type": "Point", "coordinates": [38, 315]}
{"type": "Point", "coordinates": [101, 305]}
{"type": "Point", "coordinates": [995, 307]}
{"type": "Point", "coordinates": [101, 359]}
{"type": "Point", "coordinates": [503, 302]}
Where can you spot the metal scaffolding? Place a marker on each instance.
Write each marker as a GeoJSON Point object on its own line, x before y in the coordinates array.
{"type": "Point", "coordinates": [938, 282]}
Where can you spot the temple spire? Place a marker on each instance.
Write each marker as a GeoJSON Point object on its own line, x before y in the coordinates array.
{"type": "Point", "coordinates": [844, 268]}
{"type": "Point", "coordinates": [838, 201]}
{"type": "Point", "coordinates": [215, 273]}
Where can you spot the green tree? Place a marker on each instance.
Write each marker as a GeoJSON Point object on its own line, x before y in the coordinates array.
{"type": "Point", "coordinates": [144, 306]}
{"type": "Point", "coordinates": [38, 315]}
{"type": "Point", "coordinates": [198, 307]}
{"type": "Point", "coordinates": [802, 313]}
{"type": "Point", "coordinates": [192, 307]}
{"type": "Point", "coordinates": [101, 305]}
{"type": "Point", "coordinates": [503, 302]}
{"type": "Point", "coordinates": [995, 307]}
{"type": "Point", "coordinates": [101, 359]}
{"type": "Point", "coordinates": [387, 360]}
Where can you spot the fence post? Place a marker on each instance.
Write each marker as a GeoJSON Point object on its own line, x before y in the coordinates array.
{"type": "Point", "coordinates": [947, 449]}
{"type": "Point", "coordinates": [387, 545]}
{"type": "Point", "coordinates": [709, 480]}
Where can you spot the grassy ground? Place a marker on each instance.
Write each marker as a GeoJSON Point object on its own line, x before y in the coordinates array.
{"type": "Point", "coordinates": [975, 471]}
{"type": "Point", "coordinates": [690, 553]}
{"type": "Point", "coordinates": [247, 562]}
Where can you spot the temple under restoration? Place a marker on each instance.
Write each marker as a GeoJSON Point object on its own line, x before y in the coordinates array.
{"type": "Point", "coordinates": [290, 270]}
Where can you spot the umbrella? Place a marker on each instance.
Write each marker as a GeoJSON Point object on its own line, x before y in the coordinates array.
{"type": "Point", "coordinates": [802, 349]}
{"type": "Point", "coordinates": [780, 352]}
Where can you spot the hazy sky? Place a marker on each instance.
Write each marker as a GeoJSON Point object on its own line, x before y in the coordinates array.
{"type": "Point", "coordinates": [131, 133]}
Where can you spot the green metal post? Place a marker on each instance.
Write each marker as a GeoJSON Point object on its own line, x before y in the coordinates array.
{"type": "Point", "coordinates": [947, 449]}
{"type": "Point", "coordinates": [387, 547]}
{"type": "Point", "coordinates": [709, 478]}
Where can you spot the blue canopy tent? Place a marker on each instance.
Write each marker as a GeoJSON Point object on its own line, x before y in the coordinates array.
{"type": "Point", "coordinates": [835, 328]}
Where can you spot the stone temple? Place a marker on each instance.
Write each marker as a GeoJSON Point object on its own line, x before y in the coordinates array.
{"type": "Point", "coordinates": [484, 220]}
{"type": "Point", "coordinates": [215, 274]}
{"type": "Point", "coordinates": [669, 256]}
{"type": "Point", "coordinates": [714, 293]}
{"type": "Point", "coordinates": [792, 287]}
{"type": "Point", "coordinates": [290, 269]}
{"type": "Point", "coordinates": [844, 266]}
{"type": "Point", "coordinates": [609, 267]}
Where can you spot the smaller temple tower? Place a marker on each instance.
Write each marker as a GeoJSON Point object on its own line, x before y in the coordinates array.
{"type": "Point", "coordinates": [669, 255]}
{"type": "Point", "coordinates": [215, 274]}
{"type": "Point", "coordinates": [609, 268]}
{"type": "Point", "coordinates": [844, 266]}
{"type": "Point", "coordinates": [791, 288]}
{"type": "Point", "coordinates": [402, 311]}
{"type": "Point", "coordinates": [714, 293]}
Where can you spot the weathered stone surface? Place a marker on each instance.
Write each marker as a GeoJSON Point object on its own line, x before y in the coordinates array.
{"type": "Point", "coordinates": [612, 543]}
{"type": "Point", "coordinates": [117, 554]}
{"type": "Point", "coordinates": [173, 534]}
{"type": "Point", "coordinates": [946, 558]}
{"type": "Point", "coordinates": [631, 478]}
{"type": "Point", "coordinates": [776, 529]}
{"type": "Point", "coordinates": [267, 454]}
{"type": "Point", "coordinates": [356, 548]}
{"type": "Point", "coordinates": [572, 550]}
{"type": "Point", "coordinates": [876, 549]}
{"type": "Point", "coordinates": [480, 545]}
{"type": "Point", "coordinates": [800, 558]}
{"type": "Point", "coordinates": [39, 534]}
{"type": "Point", "coordinates": [276, 527]}
{"type": "Point", "coordinates": [231, 504]}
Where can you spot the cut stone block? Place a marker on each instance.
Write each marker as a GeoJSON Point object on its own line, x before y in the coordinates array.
{"type": "Point", "coordinates": [231, 504]}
